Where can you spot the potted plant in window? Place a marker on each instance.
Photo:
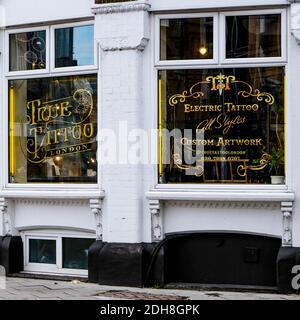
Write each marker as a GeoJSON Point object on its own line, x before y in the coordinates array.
{"type": "Point", "coordinates": [276, 165]}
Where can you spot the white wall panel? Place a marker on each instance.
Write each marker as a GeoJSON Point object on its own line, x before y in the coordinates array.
{"type": "Point", "coordinates": [31, 11]}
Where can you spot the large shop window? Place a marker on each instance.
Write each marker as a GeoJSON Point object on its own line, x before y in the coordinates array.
{"type": "Point", "coordinates": [53, 118]}
{"type": "Point", "coordinates": [225, 124]}
{"type": "Point", "coordinates": [232, 120]}
{"type": "Point", "coordinates": [53, 129]}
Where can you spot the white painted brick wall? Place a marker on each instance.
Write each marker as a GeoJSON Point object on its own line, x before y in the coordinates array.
{"type": "Point", "coordinates": [126, 94]}
{"type": "Point", "coordinates": [121, 100]}
{"type": "Point", "coordinates": [293, 138]}
{"type": "Point", "coordinates": [31, 11]}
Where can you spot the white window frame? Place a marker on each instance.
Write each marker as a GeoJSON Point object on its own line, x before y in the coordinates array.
{"type": "Point", "coordinates": [44, 267]}
{"type": "Point", "coordinates": [45, 73]}
{"type": "Point", "coordinates": [193, 62]}
{"type": "Point", "coordinates": [93, 66]}
{"type": "Point", "coordinates": [282, 58]}
{"type": "Point", "coordinates": [7, 52]}
{"type": "Point", "coordinates": [242, 63]}
{"type": "Point", "coordinates": [52, 268]}
{"type": "Point", "coordinates": [43, 185]}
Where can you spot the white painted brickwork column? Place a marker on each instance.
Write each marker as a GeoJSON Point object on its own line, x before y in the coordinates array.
{"type": "Point", "coordinates": [293, 98]}
{"type": "Point", "coordinates": [122, 31]}
{"type": "Point", "coordinates": [295, 21]}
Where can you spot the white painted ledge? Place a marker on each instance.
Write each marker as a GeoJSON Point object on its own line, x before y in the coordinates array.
{"type": "Point", "coordinates": [52, 194]}
{"type": "Point", "coordinates": [121, 7]}
{"type": "Point", "coordinates": [168, 5]}
{"type": "Point", "coordinates": [220, 196]}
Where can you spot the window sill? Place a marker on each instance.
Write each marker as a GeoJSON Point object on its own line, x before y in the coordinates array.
{"type": "Point", "coordinates": [56, 272]}
{"type": "Point", "coordinates": [49, 276]}
{"type": "Point", "coordinates": [159, 6]}
{"type": "Point", "coordinates": [53, 194]}
{"type": "Point", "coordinates": [221, 195]}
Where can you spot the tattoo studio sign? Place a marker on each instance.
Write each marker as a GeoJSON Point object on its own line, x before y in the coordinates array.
{"type": "Point", "coordinates": [60, 126]}
{"type": "Point", "coordinates": [236, 125]}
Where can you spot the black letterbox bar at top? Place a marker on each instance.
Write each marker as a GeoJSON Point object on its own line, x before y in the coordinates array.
{"type": "Point", "coordinates": [111, 1]}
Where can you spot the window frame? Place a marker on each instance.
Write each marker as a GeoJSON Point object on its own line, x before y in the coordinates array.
{"type": "Point", "coordinates": [193, 62]}
{"type": "Point", "coordinates": [7, 52]}
{"type": "Point", "coordinates": [6, 161]}
{"type": "Point", "coordinates": [45, 73]}
{"type": "Point", "coordinates": [234, 63]}
{"type": "Point", "coordinates": [93, 66]}
{"type": "Point", "coordinates": [282, 58]}
{"type": "Point", "coordinates": [52, 268]}
{"type": "Point", "coordinates": [41, 266]}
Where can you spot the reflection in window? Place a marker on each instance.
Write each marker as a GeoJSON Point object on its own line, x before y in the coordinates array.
{"type": "Point", "coordinates": [42, 251]}
{"type": "Point", "coordinates": [253, 36]}
{"type": "Point", "coordinates": [186, 38]}
{"type": "Point", "coordinates": [53, 129]}
{"type": "Point", "coordinates": [75, 253]}
{"type": "Point", "coordinates": [27, 51]}
{"type": "Point", "coordinates": [74, 46]}
{"type": "Point", "coordinates": [229, 122]}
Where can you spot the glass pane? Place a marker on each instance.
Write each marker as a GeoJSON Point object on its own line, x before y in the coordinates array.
{"type": "Point", "coordinates": [221, 125]}
{"type": "Point", "coordinates": [253, 36]}
{"type": "Point", "coordinates": [53, 129]}
{"type": "Point", "coordinates": [42, 251]}
{"type": "Point", "coordinates": [75, 253]}
{"type": "Point", "coordinates": [74, 46]}
{"type": "Point", "coordinates": [27, 51]}
{"type": "Point", "coordinates": [182, 39]}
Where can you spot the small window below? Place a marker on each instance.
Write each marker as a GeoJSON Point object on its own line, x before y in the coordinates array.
{"type": "Point", "coordinates": [27, 51]}
{"type": "Point", "coordinates": [74, 46]}
{"type": "Point", "coordinates": [42, 251]}
{"type": "Point", "coordinates": [253, 36]}
{"type": "Point", "coordinates": [186, 39]}
{"type": "Point", "coordinates": [75, 252]}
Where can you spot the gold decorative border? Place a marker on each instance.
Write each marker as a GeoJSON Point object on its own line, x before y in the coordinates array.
{"type": "Point", "coordinates": [199, 169]}
{"type": "Point", "coordinates": [181, 97]}
{"type": "Point", "coordinates": [221, 82]}
{"type": "Point", "coordinates": [260, 96]}
{"type": "Point", "coordinates": [263, 162]}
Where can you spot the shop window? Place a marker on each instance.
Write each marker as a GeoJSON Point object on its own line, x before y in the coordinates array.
{"type": "Point", "coordinates": [232, 121]}
{"type": "Point", "coordinates": [27, 50]}
{"type": "Point", "coordinates": [42, 251]}
{"type": "Point", "coordinates": [223, 124]}
{"type": "Point", "coordinates": [52, 118]}
{"type": "Point", "coordinates": [185, 39]}
{"type": "Point", "coordinates": [253, 36]}
{"type": "Point", "coordinates": [53, 128]}
{"type": "Point", "coordinates": [74, 46]}
{"type": "Point", "coordinates": [75, 252]}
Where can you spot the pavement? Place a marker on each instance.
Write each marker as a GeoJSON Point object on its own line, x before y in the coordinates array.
{"type": "Point", "coordinates": [39, 289]}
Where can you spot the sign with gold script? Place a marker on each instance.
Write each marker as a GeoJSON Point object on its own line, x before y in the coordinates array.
{"type": "Point", "coordinates": [54, 129]}
{"type": "Point", "coordinates": [236, 117]}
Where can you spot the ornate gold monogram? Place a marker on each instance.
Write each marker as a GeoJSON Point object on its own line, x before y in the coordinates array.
{"type": "Point", "coordinates": [220, 83]}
